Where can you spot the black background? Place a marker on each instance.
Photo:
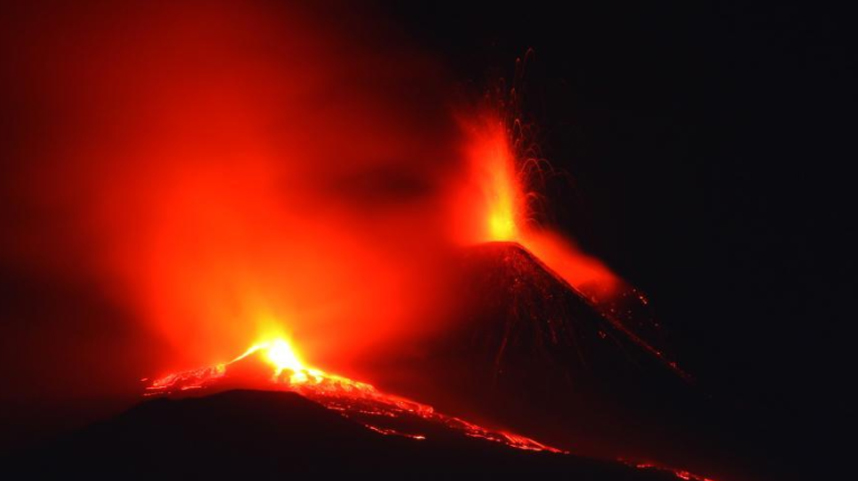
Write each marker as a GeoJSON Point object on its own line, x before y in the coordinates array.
{"type": "Point", "coordinates": [708, 161]}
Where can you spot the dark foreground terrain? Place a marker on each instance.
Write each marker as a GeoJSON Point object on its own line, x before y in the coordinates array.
{"type": "Point", "coordinates": [238, 434]}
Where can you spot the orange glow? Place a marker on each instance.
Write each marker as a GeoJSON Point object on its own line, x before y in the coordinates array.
{"type": "Point", "coordinates": [494, 194]}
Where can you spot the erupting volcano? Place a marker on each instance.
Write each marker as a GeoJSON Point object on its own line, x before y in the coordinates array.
{"type": "Point", "coordinates": [261, 171]}
{"type": "Point", "coordinates": [355, 400]}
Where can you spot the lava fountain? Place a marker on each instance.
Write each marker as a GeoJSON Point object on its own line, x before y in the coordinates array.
{"type": "Point", "coordinates": [495, 205]}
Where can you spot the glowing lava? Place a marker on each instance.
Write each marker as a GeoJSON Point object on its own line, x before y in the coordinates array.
{"type": "Point", "coordinates": [495, 191]}
{"type": "Point", "coordinates": [361, 402]}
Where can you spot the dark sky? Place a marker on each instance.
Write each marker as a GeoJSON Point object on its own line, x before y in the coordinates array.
{"type": "Point", "coordinates": [708, 149]}
{"type": "Point", "coordinates": [707, 152]}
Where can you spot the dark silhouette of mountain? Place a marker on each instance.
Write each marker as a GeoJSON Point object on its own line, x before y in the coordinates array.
{"type": "Point", "coordinates": [242, 434]}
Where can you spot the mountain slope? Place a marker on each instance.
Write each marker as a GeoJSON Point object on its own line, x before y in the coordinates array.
{"type": "Point", "coordinates": [237, 434]}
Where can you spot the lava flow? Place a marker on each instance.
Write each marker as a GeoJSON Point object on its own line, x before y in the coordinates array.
{"type": "Point", "coordinates": [275, 365]}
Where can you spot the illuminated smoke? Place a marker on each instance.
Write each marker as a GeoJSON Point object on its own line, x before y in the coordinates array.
{"type": "Point", "coordinates": [225, 171]}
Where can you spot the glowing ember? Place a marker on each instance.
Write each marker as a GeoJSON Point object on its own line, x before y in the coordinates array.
{"type": "Point", "coordinates": [358, 401]}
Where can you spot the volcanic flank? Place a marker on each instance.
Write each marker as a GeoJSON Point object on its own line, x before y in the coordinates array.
{"type": "Point", "coordinates": [259, 433]}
